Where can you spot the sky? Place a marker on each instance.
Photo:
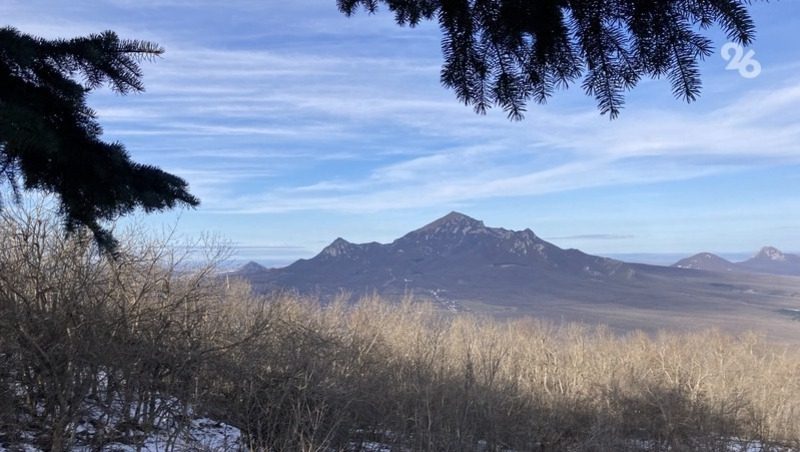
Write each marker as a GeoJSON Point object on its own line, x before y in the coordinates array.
{"type": "Point", "coordinates": [295, 125]}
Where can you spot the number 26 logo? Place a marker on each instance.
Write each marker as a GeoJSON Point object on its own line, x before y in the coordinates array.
{"type": "Point", "coordinates": [738, 60]}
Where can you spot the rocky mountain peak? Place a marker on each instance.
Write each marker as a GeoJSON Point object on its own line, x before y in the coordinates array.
{"type": "Point", "coordinates": [453, 222]}
{"type": "Point", "coordinates": [771, 253]}
{"type": "Point", "coordinates": [529, 235]}
{"type": "Point", "coordinates": [458, 231]}
{"type": "Point", "coordinates": [337, 247]}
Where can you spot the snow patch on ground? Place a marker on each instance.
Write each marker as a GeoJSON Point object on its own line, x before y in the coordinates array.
{"type": "Point", "coordinates": [208, 435]}
{"type": "Point", "coordinates": [201, 435]}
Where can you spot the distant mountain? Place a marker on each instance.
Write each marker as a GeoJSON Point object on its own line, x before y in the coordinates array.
{"type": "Point", "coordinates": [251, 268]}
{"type": "Point", "coordinates": [463, 265]}
{"type": "Point", "coordinates": [708, 262]}
{"type": "Point", "coordinates": [769, 260]}
{"type": "Point", "coordinates": [454, 257]}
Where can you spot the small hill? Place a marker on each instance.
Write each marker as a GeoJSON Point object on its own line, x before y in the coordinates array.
{"type": "Point", "coordinates": [707, 262]}
{"type": "Point", "coordinates": [250, 268]}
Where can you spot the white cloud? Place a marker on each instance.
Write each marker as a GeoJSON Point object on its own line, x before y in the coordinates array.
{"type": "Point", "coordinates": [651, 146]}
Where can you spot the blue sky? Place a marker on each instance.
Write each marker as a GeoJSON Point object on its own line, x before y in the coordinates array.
{"type": "Point", "coordinates": [296, 125]}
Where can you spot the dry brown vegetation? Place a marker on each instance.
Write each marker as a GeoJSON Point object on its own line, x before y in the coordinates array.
{"type": "Point", "coordinates": [133, 341]}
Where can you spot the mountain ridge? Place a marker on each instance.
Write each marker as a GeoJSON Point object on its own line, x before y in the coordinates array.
{"type": "Point", "coordinates": [454, 247]}
{"type": "Point", "coordinates": [460, 264]}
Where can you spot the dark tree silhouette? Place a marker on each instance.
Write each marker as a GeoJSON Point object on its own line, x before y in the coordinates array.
{"type": "Point", "coordinates": [50, 139]}
{"type": "Point", "coordinates": [507, 52]}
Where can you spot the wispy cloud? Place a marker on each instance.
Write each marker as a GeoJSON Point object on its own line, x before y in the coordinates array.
{"type": "Point", "coordinates": [285, 110]}
{"type": "Point", "coordinates": [651, 147]}
{"type": "Point", "coordinates": [330, 107]}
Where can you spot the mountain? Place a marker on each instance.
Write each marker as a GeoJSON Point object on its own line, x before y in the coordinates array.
{"type": "Point", "coordinates": [461, 264]}
{"type": "Point", "coordinates": [454, 257]}
{"type": "Point", "coordinates": [251, 268]}
{"type": "Point", "coordinates": [769, 260]}
{"type": "Point", "coordinates": [707, 262]}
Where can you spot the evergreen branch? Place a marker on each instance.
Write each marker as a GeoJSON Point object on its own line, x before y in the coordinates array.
{"type": "Point", "coordinates": [507, 52]}
{"type": "Point", "coordinates": [51, 139]}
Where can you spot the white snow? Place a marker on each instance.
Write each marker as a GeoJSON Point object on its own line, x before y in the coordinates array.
{"type": "Point", "coordinates": [204, 434]}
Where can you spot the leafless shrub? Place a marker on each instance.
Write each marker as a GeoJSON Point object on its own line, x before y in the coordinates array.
{"type": "Point", "coordinates": [120, 342]}
{"type": "Point", "coordinates": [334, 378]}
